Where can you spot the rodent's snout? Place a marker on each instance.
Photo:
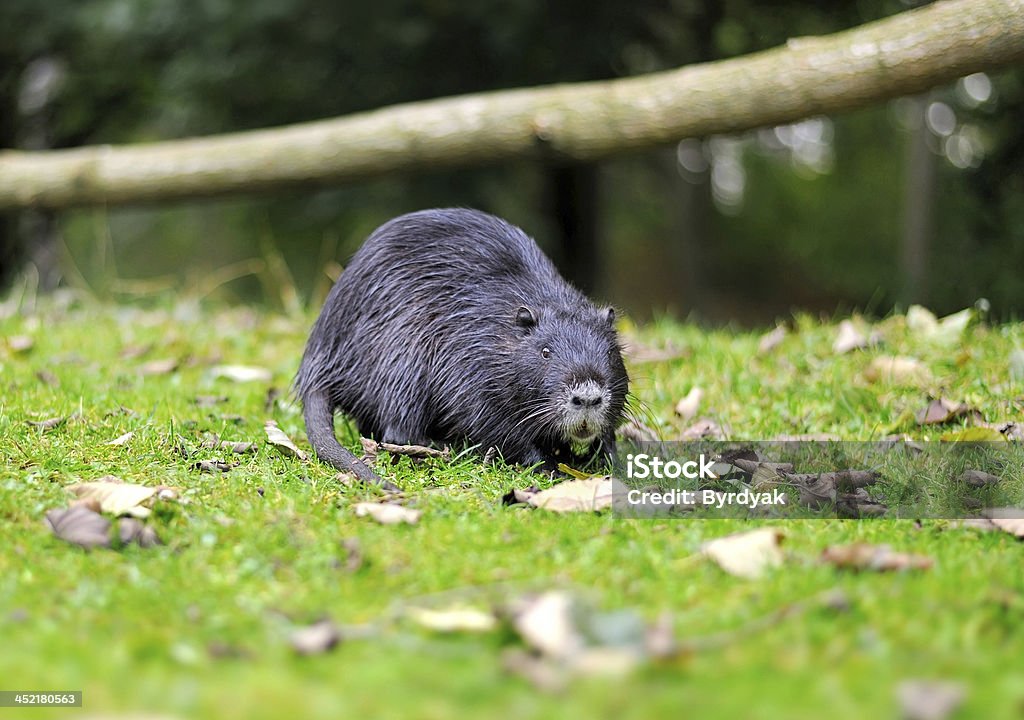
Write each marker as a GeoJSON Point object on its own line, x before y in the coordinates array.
{"type": "Point", "coordinates": [586, 395]}
{"type": "Point", "coordinates": [583, 417]}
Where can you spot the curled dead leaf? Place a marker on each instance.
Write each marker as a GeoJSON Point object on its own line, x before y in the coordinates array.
{"type": "Point", "coordinates": [897, 370]}
{"type": "Point", "coordinates": [388, 513]}
{"type": "Point", "coordinates": [687, 407]}
{"type": "Point", "coordinates": [590, 495]}
{"type": "Point", "coordinates": [280, 441]}
{"type": "Point", "coordinates": [748, 554]}
{"type": "Point", "coordinates": [863, 556]}
{"type": "Point", "coordinates": [315, 639]}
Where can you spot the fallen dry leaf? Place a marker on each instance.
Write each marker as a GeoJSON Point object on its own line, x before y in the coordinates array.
{"type": "Point", "coordinates": [51, 423]}
{"type": "Point", "coordinates": [943, 410]}
{"type": "Point", "coordinates": [635, 431]}
{"type": "Point", "coordinates": [929, 699]}
{"type": "Point", "coordinates": [453, 620]}
{"type": "Point", "coordinates": [212, 465]}
{"type": "Point", "coordinates": [946, 332]}
{"type": "Point", "coordinates": [978, 478]}
{"type": "Point", "coordinates": [704, 429]}
{"type": "Point", "coordinates": [80, 526]}
{"type": "Point", "coordinates": [116, 498]}
{"type": "Point", "coordinates": [164, 366]}
{"type": "Point", "coordinates": [131, 530]}
{"type": "Point", "coordinates": [771, 340]}
{"type": "Point", "coordinates": [241, 373]}
{"type": "Point", "coordinates": [388, 513]}
{"type": "Point", "coordinates": [277, 438]}
{"type": "Point", "coordinates": [590, 495]}
{"type": "Point", "coordinates": [862, 556]}
{"type": "Point", "coordinates": [897, 370]}
{"type": "Point", "coordinates": [1009, 520]}
{"type": "Point", "coordinates": [851, 337]}
{"type": "Point", "coordinates": [121, 439]}
{"type": "Point", "coordinates": [315, 639]}
{"type": "Point", "coordinates": [687, 407]}
{"type": "Point", "coordinates": [20, 343]}
{"type": "Point", "coordinates": [748, 554]}
{"type": "Point", "coordinates": [545, 624]}
{"type": "Point", "coordinates": [48, 378]}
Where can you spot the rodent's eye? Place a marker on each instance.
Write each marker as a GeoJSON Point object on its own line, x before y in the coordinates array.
{"type": "Point", "coordinates": [545, 353]}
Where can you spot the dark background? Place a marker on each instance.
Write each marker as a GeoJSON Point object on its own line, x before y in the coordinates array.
{"type": "Point", "coordinates": [919, 199]}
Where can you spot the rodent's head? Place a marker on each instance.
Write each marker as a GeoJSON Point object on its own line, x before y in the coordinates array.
{"type": "Point", "coordinates": [570, 373]}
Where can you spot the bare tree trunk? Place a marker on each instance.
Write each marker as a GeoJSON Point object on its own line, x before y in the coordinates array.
{"type": "Point", "coordinates": [904, 54]}
{"type": "Point", "coordinates": [572, 198]}
{"type": "Point", "coordinates": [918, 201]}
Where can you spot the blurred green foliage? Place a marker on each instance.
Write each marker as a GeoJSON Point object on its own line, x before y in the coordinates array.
{"type": "Point", "coordinates": [825, 238]}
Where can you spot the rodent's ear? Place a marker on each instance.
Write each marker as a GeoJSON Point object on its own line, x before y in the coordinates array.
{"type": "Point", "coordinates": [525, 317]}
{"type": "Point", "coordinates": [609, 315]}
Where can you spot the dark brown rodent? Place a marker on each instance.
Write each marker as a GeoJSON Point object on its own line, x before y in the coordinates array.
{"type": "Point", "coordinates": [450, 326]}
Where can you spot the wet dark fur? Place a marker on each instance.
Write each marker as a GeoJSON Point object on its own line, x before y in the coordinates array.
{"type": "Point", "coordinates": [437, 332]}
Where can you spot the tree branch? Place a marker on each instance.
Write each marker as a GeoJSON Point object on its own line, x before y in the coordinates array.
{"type": "Point", "coordinates": [903, 54]}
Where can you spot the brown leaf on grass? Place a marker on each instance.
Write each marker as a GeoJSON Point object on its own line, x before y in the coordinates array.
{"type": "Point", "coordinates": [215, 443]}
{"type": "Point", "coordinates": [942, 410]}
{"type": "Point", "coordinates": [851, 337]}
{"type": "Point", "coordinates": [212, 465]}
{"type": "Point", "coordinates": [862, 556]}
{"type": "Point", "coordinates": [134, 352]}
{"type": "Point", "coordinates": [929, 699]}
{"type": "Point", "coordinates": [704, 429]}
{"type": "Point", "coordinates": [80, 526]}
{"type": "Point", "coordinates": [821, 489]}
{"type": "Point", "coordinates": [281, 442]}
{"type": "Point", "coordinates": [771, 340]}
{"type": "Point", "coordinates": [353, 552]}
{"type": "Point", "coordinates": [315, 639]}
{"type": "Point", "coordinates": [637, 352]}
{"type": "Point", "coordinates": [52, 423]}
{"type": "Point", "coordinates": [545, 623]}
{"type": "Point", "coordinates": [1009, 520]}
{"type": "Point", "coordinates": [978, 478]}
{"type": "Point", "coordinates": [947, 332]}
{"type": "Point", "coordinates": [241, 373]}
{"type": "Point", "coordinates": [47, 378]}
{"type": "Point", "coordinates": [748, 554]}
{"type": "Point", "coordinates": [897, 370]}
{"type": "Point", "coordinates": [131, 530]}
{"type": "Point", "coordinates": [372, 447]}
{"type": "Point", "coordinates": [590, 495]}
{"type": "Point", "coordinates": [116, 498]}
{"type": "Point", "coordinates": [121, 439]}
{"type": "Point", "coordinates": [635, 431]}
{"type": "Point", "coordinates": [453, 619]}
{"type": "Point", "coordinates": [388, 513]}
{"type": "Point", "coordinates": [209, 400]}
{"type": "Point", "coordinates": [687, 407]}
{"type": "Point", "coordinates": [270, 399]}
{"type": "Point", "coordinates": [20, 343]}
{"type": "Point", "coordinates": [163, 366]}
{"type": "Point", "coordinates": [519, 496]}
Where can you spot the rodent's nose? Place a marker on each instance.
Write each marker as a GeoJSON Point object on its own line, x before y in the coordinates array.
{"type": "Point", "coordinates": [586, 396]}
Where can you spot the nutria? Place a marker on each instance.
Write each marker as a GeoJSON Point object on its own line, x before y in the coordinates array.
{"type": "Point", "coordinates": [450, 326]}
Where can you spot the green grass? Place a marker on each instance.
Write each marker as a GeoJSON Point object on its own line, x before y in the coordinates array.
{"type": "Point", "coordinates": [199, 627]}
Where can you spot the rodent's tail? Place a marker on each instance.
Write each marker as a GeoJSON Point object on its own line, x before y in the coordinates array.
{"type": "Point", "coordinates": [319, 416]}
